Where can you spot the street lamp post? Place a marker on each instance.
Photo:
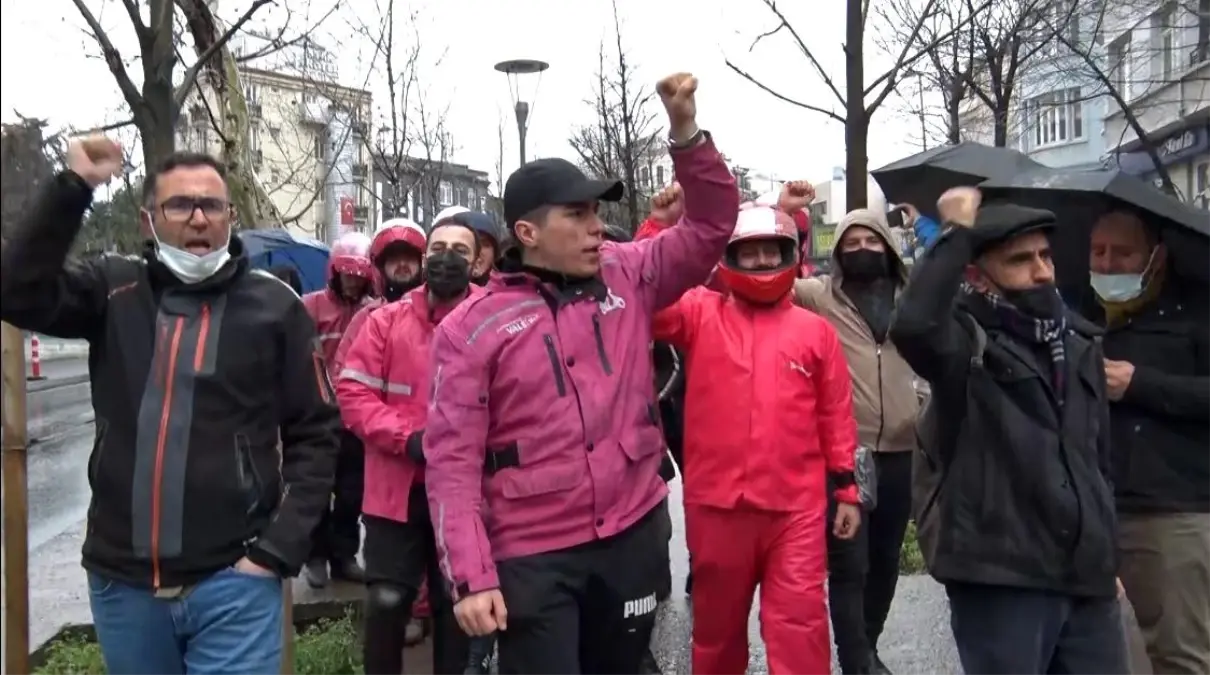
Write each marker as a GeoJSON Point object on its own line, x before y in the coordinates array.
{"type": "Point", "coordinates": [517, 70]}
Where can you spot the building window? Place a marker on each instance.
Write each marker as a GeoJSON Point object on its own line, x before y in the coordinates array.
{"type": "Point", "coordinates": [254, 137]}
{"type": "Point", "coordinates": [1121, 64]}
{"type": "Point", "coordinates": [251, 94]}
{"type": "Point", "coordinates": [659, 175]}
{"type": "Point", "coordinates": [1056, 117]}
{"type": "Point", "coordinates": [645, 176]}
{"type": "Point", "coordinates": [1201, 182]}
{"type": "Point", "coordinates": [320, 153]}
{"type": "Point", "coordinates": [1165, 39]}
{"type": "Point", "coordinates": [1064, 16]}
{"type": "Point", "coordinates": [445, 193]}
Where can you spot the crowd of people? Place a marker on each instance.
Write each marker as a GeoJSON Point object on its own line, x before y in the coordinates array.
{"type": "Point", "coordinates": [500, 411]}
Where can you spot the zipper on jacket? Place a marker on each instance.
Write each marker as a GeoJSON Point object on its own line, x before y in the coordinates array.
{"type": "Point", "coordinates": [199, 357]}
{"type": "Point", "coordinates": [596, 331]}
{"type": "Point", "coordinates": [881, 401]}
{"type": "Point", "coordinates": [161, 441]}
{"type": "Point", "coordinates": [560, 385]}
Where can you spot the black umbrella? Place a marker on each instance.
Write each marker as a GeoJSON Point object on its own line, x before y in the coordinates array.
{"type": "Point", "coordinates": [1078, 198]}
{"type": "Point", "coordinates": [920, 179]}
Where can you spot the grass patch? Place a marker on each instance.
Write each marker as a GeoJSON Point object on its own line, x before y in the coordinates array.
{"type": "Point", "coordinates": [329, 647]}
{"type": "Point", "coordinates": [910, 559]}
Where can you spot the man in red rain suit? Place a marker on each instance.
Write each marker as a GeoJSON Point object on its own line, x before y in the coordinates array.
{"type": "Point", "coordinates": [769, 429]}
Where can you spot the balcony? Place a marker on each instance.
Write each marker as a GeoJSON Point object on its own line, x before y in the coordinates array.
{"type": "Point", "coordinates": [360, 171]}
{"type": "Point", "coordinates": [314, 110]}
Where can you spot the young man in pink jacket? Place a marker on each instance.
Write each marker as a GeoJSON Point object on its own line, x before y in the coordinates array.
{"type": "Point", "coordinates": [542, 440]}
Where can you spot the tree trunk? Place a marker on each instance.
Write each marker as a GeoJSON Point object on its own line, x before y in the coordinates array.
{"type": "Point", "coordinates": [253, 206]}
{"type": "Point", "coordinates": [1000, 127]}
{"type": "Point", "coordinates": [857, 123]}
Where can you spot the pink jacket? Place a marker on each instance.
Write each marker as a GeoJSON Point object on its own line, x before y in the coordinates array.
{"type": "Point", "coordinates": [332, 315]}
{"type": "Point", "coordinates": [383, 390]}
{"type": "Point", "coordinates": [542, 434]}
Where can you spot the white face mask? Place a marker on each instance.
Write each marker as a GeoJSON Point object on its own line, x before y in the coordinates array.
{"type": "Point", "coordinates": [190, 267]}
{"type": "Point", "coordinates": [1119, 287]}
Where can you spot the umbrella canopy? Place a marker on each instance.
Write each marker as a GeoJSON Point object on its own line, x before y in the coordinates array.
{"type": "Point", "coordinates": [1078, 198]}
{"type": "Point", "coordinates": [269, 248]}
{"type": "Point", "coordinates": [920, 179]}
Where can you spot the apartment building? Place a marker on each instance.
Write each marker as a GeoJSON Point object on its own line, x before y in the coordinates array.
{"type": "Point", "coordinates": [424, 188]}
{"type": "Point", "coordinates": [1057, 110]}
{"type": "Point", "coordinates": [1154, 55]}
{"type": "Point", "coordinates": [307, 137]}
{"type": "Point", "coordinates": [1158, 57]}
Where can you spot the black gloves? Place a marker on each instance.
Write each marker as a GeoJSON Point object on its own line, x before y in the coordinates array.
{"type": "Point", "coordinates": [415, 447]}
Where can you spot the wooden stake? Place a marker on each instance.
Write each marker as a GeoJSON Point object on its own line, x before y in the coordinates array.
{"type": "Point", "coordinates": [14, 504]}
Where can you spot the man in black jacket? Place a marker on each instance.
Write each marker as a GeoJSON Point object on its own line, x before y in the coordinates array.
{"type": "Point", "coordinates": [1157, 365]}
{"type": "Point", "coordinates": [215, 423]}
{"type": "Point", "coordinates": [1013, 500]}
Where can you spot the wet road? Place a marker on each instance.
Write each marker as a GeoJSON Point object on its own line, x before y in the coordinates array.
{"type": "Point", "coordinates": [60, 429]}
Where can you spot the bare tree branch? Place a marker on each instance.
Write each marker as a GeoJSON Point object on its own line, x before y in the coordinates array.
{"type": "Point", "coordinates": [191, 73]}
{"type": "Point", "coordinates": [778, 95]}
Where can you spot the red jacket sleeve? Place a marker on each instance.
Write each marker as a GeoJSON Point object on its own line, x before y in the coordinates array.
{"type": "Point", "coordinates": [649, 229]}
{"type": "Point", "coordinates": [361, 388]}
{"type": "Point", "coordinates": [837, 426]}
{"type": "Point", "coordinates": [455, 447]}
{"type": "Point", "coordinates": [677, 323]}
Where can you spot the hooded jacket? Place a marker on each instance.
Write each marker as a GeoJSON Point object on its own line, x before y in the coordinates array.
{"type": "Point", "coordinates": [542, 432]}
{"type": "Point", "coordinates": [885, 401]}
{"type": "Point", "coordinates": [383, 390]}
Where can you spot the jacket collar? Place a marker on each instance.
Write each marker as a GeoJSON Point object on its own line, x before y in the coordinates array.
{"type": "Point", "coordinates": [163, 278]}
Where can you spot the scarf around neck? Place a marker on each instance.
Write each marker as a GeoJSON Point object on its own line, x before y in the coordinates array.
{"type": "Point", "coordinates": [994, 308]}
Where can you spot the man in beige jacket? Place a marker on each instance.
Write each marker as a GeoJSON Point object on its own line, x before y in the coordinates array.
{"type": "Point", "coordinates": [858, 298]}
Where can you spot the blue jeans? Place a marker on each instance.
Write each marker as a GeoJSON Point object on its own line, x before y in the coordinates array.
{"type": "Point", "coordinates": [229, 623]}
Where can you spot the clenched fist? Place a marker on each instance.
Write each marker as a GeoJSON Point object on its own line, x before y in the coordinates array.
{"type": "Point", "coordinates": [668, 205]}
{"type": "Point", "coordinates": [959, 205]}
{"type": "Point", "coordinates": [796, 196]}
{"type": "Point", "coordinates": [677, 92]}
{"type": "Point", "coordinates": [482, 613]}
{"type": "Point", "coordinates": [96, 159]}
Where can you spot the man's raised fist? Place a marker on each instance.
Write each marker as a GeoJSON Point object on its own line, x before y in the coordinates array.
{"type": "Point", "coordinates": [668, 205]}
{"type": "Point", "coordinates": [96, 159]}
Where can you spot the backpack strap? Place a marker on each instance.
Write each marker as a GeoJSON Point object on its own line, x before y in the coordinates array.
{"type": "Point", "coordinates": [980, 337]}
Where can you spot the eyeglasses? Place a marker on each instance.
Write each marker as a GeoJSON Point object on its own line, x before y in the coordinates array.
{"type": "Point", "coordinates": [182, 208]}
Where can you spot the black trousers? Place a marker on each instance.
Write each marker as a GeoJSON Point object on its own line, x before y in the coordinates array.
{"type": "Point", "coordinates": [338, 535]}
{"type": "Point", "coordinates": [864, 571]}
{"type": "Point", "coordinates": [1013, 630]}
{"type": "Point", "coordinates": [400, 557]}
{"type": "Point", "coordinates": [587, 609]}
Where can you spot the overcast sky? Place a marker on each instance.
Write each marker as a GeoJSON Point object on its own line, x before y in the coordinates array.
{"type": "Point", "coordinates": [50, 69]}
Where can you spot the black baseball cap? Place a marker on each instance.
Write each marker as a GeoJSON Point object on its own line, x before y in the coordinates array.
{"type": "Point", "coordinates": [553, 182]}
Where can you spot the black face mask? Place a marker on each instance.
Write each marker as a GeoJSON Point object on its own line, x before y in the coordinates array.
{"type": "Point", "coordinates": [864, 264]}
{"type": "Point", "coordinates": [447, 275]}
{"type": "Point", "coordinates": [1039, 302]}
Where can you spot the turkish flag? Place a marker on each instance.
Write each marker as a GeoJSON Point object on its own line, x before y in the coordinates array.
{"type": "Point", "coordinates": [346, 210]}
